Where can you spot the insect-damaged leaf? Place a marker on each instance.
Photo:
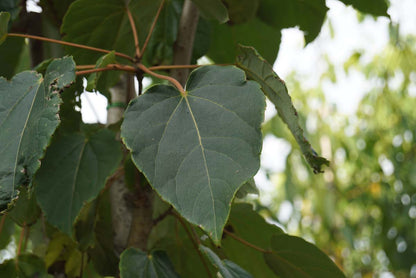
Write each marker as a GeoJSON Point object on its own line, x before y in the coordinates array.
{"type": "Point", "coordinates": [28, 117]}
{"type": "Point", "coordinates": [197, 150]}
{"type": "Point", "coordinates": [73, 172]}
{"type": "Point", "coordinates": [275, 89]}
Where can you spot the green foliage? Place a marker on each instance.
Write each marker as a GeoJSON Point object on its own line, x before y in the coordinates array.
{"type": "Point", "coordinates": [73, 172]}
{"type": "Point", "coordinates": [374, 7]}
{"type": "Point", "coordinates": [207, 132]}
{"type": "Point", "coordinates": [4, 20]}
{"type": "Point", "coordinates": [275, 89]}
{"type": "Point", "coordinates": [136, 263]}
{"type": "Point", "coordinates": [226, 268]}
{"type": "Point", "coordinates": [188, 156]}
{"type": "Point", "coordinates": [294, 257]}
{"type": "Point", "coordinates": [29, 119]}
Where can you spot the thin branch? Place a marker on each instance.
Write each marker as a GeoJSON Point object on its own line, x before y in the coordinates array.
{"type": "Point", "coordinates": [194, 242]}
{"type": "Point", "coordinates": [246, 243]}
{"type": "Point", "coordinates": [174, 67]}
{"type": "Point", "coordinates": [80, 67]}
{"type": "Point", "coordinates": [133, 29]}
{"type": "Point", "coordinates": [162, 216]}
{"type": "Point", "coordinates": [108, 67]}
{"type": "Point", "coordinates": [3, 219]}
{"type": "Point", "coordinates": [152, 27]}
{"type": "Point", "coordinates": [168, 78]}
{"type": "Point", "coordinates": [19, 246]}
{"type": "Point", "coordinates": [70, 44]}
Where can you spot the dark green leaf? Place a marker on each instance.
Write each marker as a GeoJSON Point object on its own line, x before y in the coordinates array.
{"type": "Point", "coordinates": [28, 118]}
{"type": "Point", "coordinates": [55, 10]}
{"type": "Point", "coordinates": [308, 15]}
{"type": "Point", "coordinates": [160, 48]}
{"type": "Point", "coordinates": [247, 224]}
{"type": "Point", "coordinates": [28, 266]}
{"type": "Point", "coordinates": [10, 52]}
{"type": "Point", "coordinates": [6, 232]}
{"type": "Point", "coordinates": [187, 146]}
{"type": "Point", "coordinates": [374, 7]}
{"type": "Point", "coordinates": [105, 24]}
{"type": "Point", "coordinates": [227, 268]}
{"type": "Point", "coordinates": [241, 11]}
{"type": "Point", "coordinates": [294, 257]}
{"type": "Point", "coordinates": [213, 9]}
{"type": "Point", "coordinates": [135, 263]}
{"type": "Point", "coordinates": [4, 23]}
{"type": "Point", "coordinates": [247, 188]}
{"type": "Point", "coordinates": [85, 225]}
{"type": "Point", "coordinates": [225, 39]}
{"type": "Point", "coordinates": [275, 89]}
{"type": "Point", "coordinates": [202, 39]}
{"type": "Point", "coordinates": [26, 210]}
{"type": "Point", "coordinates": [102, 81]}
{"type": "Point", "coordinates": [10, 6]}
{"type": "Point", "coordinates": [73, 172]}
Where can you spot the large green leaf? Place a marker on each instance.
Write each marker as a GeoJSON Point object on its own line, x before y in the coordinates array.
{"type": "Point", "coordinates": [275, 89]}
{"type": "Point", "coordinates": [247, 224]}
{"type": "Point", "coordinates": [308, 15]}
{"type": "Point", "coordinates": [105, 24]}
{"type": "Point", "coordinates": [197, 150]}
{"type": "Point", "coordinates": [27, 265]}
{"type": "Point", "coordinates": [4, 23]}
{"type": "Point", "coordinates": [135, 263]}
{"type": "Point", "coordinates": [294, 257]}
{"type": "Point", "coordinates": [28, 117]}
{"type": "Point", "coordinates": [225, 39]}
{"type": "Point", "coordinates": [73, 172]}
{"type": "Point", "coordinates": [374, 7]}
{"type": "Point", "coordinates": [227, 268]}
{"type": "Point", "coordinates": [213, 9]}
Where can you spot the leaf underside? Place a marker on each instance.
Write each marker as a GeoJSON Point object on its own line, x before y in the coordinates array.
{"type": "Point", "coordinates": [275, 89]}
{"type": "Point", "coordinates": [197, 150]}
{"type": "Point", "coordinates": [29, 105]}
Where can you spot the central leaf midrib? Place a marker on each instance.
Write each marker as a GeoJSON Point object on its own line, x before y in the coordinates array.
{"type": "Point", "coordinates": [205, 161]}
{"type": "Point", "coordinates": [23, 132]}
{"type": "Point", "coordinates": [75, 179]}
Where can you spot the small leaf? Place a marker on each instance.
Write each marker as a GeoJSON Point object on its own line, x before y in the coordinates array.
{"type": "Point", "coordinates": [102, 62]}
{"type": "Point", "coordinates": [213, 9]}
{"type": "Point", "coordinates": [135, 263]}
{"type": "Point", "coordinates": [73, 172]}
{"type": "Point", "coordinates": [4, 25]}
{"type": "Point", "coordinates": [227, 268]}
{"type": "Point", "coordinates": [197, 150]}
{"type": "Point", "coordinates": [294, 257]}
{"type": "Point", "coordinates": [275, 89]}
{"type": "Point", "coordinates": [28, 117]}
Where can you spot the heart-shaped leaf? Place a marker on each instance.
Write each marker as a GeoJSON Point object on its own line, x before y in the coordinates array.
{"type": "Point", "coordinates": [275, 89]}
{"type": "Point", "coordinates": [294, 257]}
{"type": "Point", "coordinates": [73, 172]}
{"type": "Point", "coordinates": [28, 117]}
{"type": "Point", "coordinates": [227, 268]}
{"type": "Point", "coordinates": [197, 150]}
{"type": "Point", "coordinates": [136, 263]}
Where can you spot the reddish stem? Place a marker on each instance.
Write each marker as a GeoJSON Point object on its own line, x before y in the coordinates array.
{"type": "Point", "coordinates": [133, 29]}
{"type": "Point", "coordinates": [152, 27]}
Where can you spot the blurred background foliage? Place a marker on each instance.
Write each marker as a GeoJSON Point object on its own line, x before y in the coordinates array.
{"type": "Point", "coordinates": [362, 211]}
